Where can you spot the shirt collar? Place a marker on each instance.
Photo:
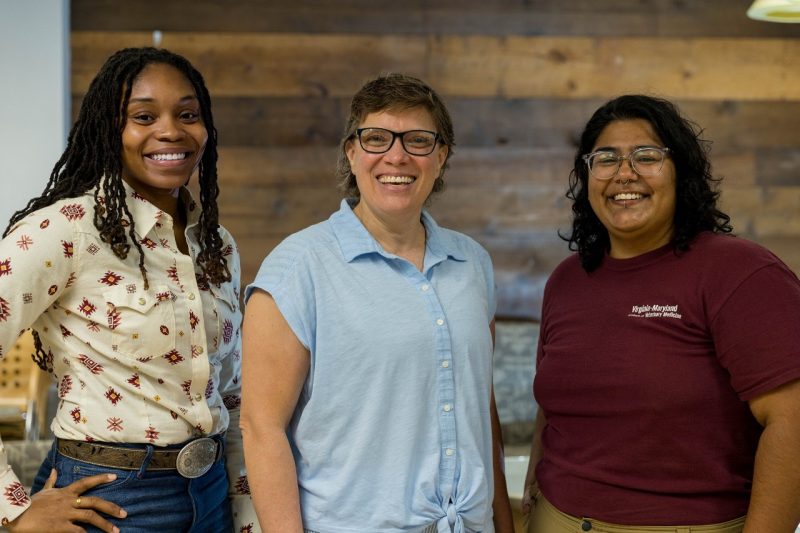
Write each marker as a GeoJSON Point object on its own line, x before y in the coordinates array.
{"type": "Point", "coordinates": [354, 239]}
{"type": "Point", "coordinates": [146, 215]}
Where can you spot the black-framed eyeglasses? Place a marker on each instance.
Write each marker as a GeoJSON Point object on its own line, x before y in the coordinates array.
{"type": "Point", "coordinates": [645, 161]}
{"type": "Point", "coordinates": [380, 140]}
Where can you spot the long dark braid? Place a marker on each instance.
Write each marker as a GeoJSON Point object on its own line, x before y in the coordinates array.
{"type": "Point", "coordinates": [93, 152]}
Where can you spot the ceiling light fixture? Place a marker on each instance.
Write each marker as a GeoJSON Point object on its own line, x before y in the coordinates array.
{"type": "Point", "coordinates": [775, 10]}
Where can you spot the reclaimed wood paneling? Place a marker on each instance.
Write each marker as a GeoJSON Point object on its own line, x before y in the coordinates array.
{"type": "Point", "coordinates": [581, 67]}
{"type": "Point", "coordinates": [471, 168]}
{"type": "Point", "coordinates": [778, 166]}
{"type": "Point", "coordinates": [520, 78]}
{"type": "Point", "coordinates": [499, 123]}
{"type": "Point", "coordinates": [280, 65]}
{"type": "Point", "coordinates": [649, 18]}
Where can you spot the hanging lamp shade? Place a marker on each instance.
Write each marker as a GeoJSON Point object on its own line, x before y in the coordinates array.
{"type": "Point", "coordinates": [775, 10]}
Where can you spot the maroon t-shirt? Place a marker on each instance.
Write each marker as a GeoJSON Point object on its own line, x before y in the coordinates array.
{"type": "Point", "coordinates": [645, 367]}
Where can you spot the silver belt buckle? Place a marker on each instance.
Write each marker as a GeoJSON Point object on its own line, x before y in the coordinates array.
{"type": "Point", "coordinates": [197, 457]}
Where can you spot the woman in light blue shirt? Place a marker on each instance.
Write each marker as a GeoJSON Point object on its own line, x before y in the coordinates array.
{"type": "Point", "coordinates": [367, 393]}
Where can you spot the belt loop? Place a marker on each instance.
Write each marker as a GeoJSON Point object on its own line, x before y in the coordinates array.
{"type": "Point", "coordinates": [53, 452]}
{"type": "Point", "coordinates": [146, 461]}
{"type": "Point", "coordinates": [220, 438]}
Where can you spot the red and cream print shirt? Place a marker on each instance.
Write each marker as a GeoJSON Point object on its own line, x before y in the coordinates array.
{"type": "Point", "coordinates": [159, 365]}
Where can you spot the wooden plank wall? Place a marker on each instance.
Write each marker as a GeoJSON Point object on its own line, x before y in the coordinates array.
{"type": "Point", "coordinates": [521, 77]}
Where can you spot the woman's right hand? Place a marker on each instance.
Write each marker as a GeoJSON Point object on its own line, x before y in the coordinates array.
{"type": "Point", "coordinates": [531, 488]}
{"type": "Point", "coordinates": [58, 510]}
{"type": "Point", "coordinates": [531, 485]}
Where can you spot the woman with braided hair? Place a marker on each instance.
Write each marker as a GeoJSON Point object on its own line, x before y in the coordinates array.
{"type": "Point", "coordinates": [132, 291]}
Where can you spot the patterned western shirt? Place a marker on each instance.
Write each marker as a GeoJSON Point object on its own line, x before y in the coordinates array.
{"type": "Point", "coordinates": [159, 365]}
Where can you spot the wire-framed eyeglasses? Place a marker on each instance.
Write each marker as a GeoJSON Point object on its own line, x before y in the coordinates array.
{"type": "Point", "coordinates": [645, 161]}
{"type": "Point", "coordinates": [380, 140]}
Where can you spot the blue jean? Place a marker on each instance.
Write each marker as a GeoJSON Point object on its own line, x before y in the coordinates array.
{"type": "Point", "coordinates": [162, 501]}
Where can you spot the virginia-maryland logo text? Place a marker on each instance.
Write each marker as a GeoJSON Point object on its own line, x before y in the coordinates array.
{"type": "Point", "coordinates": [655, 311]}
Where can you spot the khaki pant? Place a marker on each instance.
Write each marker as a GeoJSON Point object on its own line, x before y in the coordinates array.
{"type": "Point", "coordinates": [544, 518]}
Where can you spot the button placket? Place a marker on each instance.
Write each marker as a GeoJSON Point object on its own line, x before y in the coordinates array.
{"type": "Point", "coordinates": [196, 342]}
{"type": "Point", "coordinates": [445, 385]}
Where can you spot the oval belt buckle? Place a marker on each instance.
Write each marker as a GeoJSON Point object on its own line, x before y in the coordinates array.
{"type": "Point", "coordinates": [197, 457]}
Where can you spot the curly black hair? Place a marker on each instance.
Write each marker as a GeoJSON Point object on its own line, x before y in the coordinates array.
{"type": "Point", "coordinates": [696, 189]}
{"type": "Point", "coordinates": [93, 160]}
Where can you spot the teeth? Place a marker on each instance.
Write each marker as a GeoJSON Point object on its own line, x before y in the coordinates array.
{"type": "Point", "coordinates": [168, 157]}
{"type": "Point", "coordinates": [627, 196]}
{"type": "Point", "coordinates": [396, 179]}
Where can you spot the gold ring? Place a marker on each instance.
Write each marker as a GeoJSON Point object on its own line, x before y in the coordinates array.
{"type": "Point", "coordinates": [78, 502]}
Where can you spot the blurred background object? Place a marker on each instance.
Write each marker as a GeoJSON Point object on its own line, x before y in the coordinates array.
{"type": "Point", "coordinates": [775, 10]}
{"type": "Point", "coordinates": [23, 393]}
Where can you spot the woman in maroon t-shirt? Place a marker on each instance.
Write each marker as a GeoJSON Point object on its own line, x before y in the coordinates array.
{"type": "Point", "coordinates": [668, 366]}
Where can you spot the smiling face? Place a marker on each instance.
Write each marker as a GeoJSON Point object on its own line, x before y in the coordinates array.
{"type": "Point", "coordinates": [394, 185]}
{"type": "Point", "coordinates": [164, 135]}
{"type": "Point", "coordinates": [637, 211]}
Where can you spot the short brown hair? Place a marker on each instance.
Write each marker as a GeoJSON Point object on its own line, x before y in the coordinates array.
{"type": "Point", "coordinates": [386, 92]}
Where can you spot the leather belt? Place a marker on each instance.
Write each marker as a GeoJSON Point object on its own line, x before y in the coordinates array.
{"type": "Point", "coordinates": [193, 460]}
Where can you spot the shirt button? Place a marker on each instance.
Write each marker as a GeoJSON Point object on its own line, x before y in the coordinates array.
{"type": "Point", "coordinates": [439, 322]}
{"type": "Point", "coordinates": [586, 525]}
{"type": "Point", "coordinates": [447, 408]}
{"type": "Point", "coordinates": [191, 296]}
{"type": "Point", "coordinates": [198, 397]}
{"type": "Point", "coordinates": [200, 349]}
{"type": "Point", "coordinates": [445, 364]}
{"type": "Point", "coordinates": [449, 452]}
{"type": "Point", "coordinates": [426, 287]}
{"type": "Point", "coordinates": [142, 301]}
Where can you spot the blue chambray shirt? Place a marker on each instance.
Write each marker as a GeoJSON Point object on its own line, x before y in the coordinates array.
{"type": "Point", "coordinates": [392, 429]}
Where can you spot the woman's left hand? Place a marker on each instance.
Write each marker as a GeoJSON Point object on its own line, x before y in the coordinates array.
{"type": "Point", "coordinates": [59, 509]}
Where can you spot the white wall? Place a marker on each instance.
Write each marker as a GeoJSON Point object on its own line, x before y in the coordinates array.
{"type": "Point", "coordinates": [34, 97]}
